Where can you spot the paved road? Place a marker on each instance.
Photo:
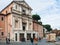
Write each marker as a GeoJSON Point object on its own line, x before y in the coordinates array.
{"type": "Point", "coordinates": [42, 42]}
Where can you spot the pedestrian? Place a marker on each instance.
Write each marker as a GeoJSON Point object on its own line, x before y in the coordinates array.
{"type": "Point", "coordinates": [36, 41]}
{"type": "Point", "coordinates": [31, 40]}
{"type": "Point", "coordinates": [7, 41]}
{"type": "Point", "coordinates": [39, 39]}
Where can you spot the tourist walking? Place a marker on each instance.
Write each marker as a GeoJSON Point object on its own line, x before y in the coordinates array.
{"type": "Point", "coordinates": [7, 41]}
{"type": "Point", "coordinates": [36, 41]}
{"type": "Point", "coordinates": [31, 41]}
{"type": "Point", "coordinates": [39, 39]}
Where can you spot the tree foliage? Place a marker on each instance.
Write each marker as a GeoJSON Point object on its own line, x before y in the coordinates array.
{"type": "Point", "coordinates": [36, 17]}
{"type": "Point", "coordinates": [48, 27]}
{"type": "Point", "coordinates": [40, 23]}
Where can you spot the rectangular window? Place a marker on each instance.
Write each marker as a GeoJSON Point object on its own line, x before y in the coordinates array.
{"type": "Point", "coordinates": [15, 36]}
{"type": "Point", "coordinates": [29, 25]}
{"type": "Point", "coordinates": [28, 36]}
{"type": "Point", "coordinates": [16, 6]}
{"type": "Point", "coordinates": [24, 26]}
{"type": "Point", "coordinates": [21, 36]}
{"type": "Point", "coordinates": [6, 12]}
{"type": "Point", "coordinates": [11, 8]}
{"type": "Point", "coordinates": [2, 33]}
{"type": "Point", "coordinates": [24, 11]}
{"type": "Point", "coordinates": [16, 23]}
{"type": "Point", "coordinates": [2, 18]}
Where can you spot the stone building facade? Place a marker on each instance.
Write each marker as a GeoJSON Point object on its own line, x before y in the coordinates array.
{"type": "Point", "coordinates": [18, 22]}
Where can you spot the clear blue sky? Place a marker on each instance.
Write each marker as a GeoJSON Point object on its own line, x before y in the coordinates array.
{"type": "Point", "coordinates": [49, 10]}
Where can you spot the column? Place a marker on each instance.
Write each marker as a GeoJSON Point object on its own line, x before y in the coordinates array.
{"type": "Point", "coordinates": [20, 24]}
{"type": "Point", "coordinates": [12, 34]}
{"type": "Point", "coordinates": [27, 27]}
{"type": "Point", "coordinates": [13, 22]}
{"type": "Point", "coordinates": [18, 37]}
{"type": "Point", "coordinates": [25, 35]}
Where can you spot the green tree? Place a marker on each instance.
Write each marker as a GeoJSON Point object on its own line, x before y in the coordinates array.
{"type": "Point", "coordinates": [40, 22]}
{"type": "Point", "coordinates": [36, 17]}
{"type": "Point", "coordinates": [48, 27]}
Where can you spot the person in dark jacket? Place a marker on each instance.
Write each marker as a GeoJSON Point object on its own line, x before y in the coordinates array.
{"type": "Point", "coordinates": [31, 40]}
{"type": "Point", "coordinates": [7, 41]}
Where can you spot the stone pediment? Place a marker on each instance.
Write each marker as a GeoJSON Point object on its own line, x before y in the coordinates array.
{"type": "Point", "coordinates": [22, 2]}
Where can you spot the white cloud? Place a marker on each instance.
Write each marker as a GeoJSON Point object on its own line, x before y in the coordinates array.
{"type": "Point", "coordinates": [49, 10]}
{"type": "Point", "coordinates": [53, 20]}
{"type": "Point", "coordinates": [38, 5]}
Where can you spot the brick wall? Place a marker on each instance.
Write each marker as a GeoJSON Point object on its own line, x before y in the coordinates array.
{"type": "Point", "coordinates": [38, 28]}
{"type": "Point", "coordinates": [2, 26]}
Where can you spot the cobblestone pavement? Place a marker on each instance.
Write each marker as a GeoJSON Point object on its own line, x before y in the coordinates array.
{"type": "Point", "coordinates": [42, 42]}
